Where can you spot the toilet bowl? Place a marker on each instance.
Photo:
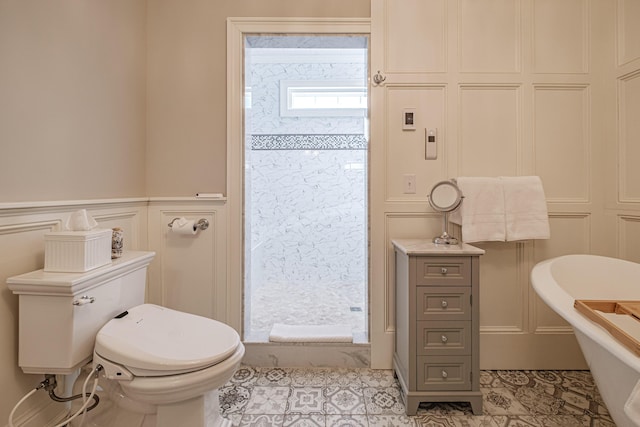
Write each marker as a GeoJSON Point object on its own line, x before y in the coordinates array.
{"type": "Point", "coordinates": [159, 365]}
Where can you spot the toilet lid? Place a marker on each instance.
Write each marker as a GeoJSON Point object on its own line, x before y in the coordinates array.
{"type": "Point", "coordinates": [157, 339]}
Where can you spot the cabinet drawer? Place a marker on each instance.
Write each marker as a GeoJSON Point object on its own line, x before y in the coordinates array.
{"type": "Point", "coordinates": [442, 373]}
{"type": "Point", "coordinates": [448, 303]}
{"type": "Point", "coordinates": [443, 338]}
{"type": "Point", "coordinates": [442, 271]}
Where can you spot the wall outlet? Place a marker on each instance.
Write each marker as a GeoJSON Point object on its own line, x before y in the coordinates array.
{"type": "Point", "coordinates": [409, 184]}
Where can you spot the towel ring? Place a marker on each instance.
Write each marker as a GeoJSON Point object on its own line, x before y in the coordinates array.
{"type": "Point", "coordinates": [445, 197]}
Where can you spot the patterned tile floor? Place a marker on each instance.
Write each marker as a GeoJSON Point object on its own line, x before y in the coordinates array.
{"type": "Point", "coordinates": [283, 397]}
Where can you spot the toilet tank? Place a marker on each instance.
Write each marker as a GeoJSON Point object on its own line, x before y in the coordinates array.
{"type": "Point", "coordinates": [61, 313]}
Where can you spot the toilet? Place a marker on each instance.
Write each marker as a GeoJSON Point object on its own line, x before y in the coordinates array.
{"type": "Point", "coordinates": [161, 367]}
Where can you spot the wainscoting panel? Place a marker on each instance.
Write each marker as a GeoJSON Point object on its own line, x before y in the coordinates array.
{"type": "Point", "coordinates": [561, 137]}
{"type": "Point", "coordinates": [501, 285]}
{"type": "Point", "coordinates": [629, 135]}
{"type": "Point", "coordinates": [189, 272]}
{"type": "Point", "coordinates": [418, 26]}
{"type": "Point", "coordinates": [628, 31]}
{"type": "Point", "coordinates": [405, 149]}
{"type": "Point", "coordinates": [495, 23]}
{"type": "Point", "coordinates": [561, 36]}
{"type": "Point", "coordinates": [22, 229]}
{"type": "Point", "coordinates": [490, 130]}
{"type": "Point", "coordinates": [628, 237]}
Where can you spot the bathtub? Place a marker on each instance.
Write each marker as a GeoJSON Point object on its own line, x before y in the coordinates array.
{"type": "Point", "coordinates": [559, 281]}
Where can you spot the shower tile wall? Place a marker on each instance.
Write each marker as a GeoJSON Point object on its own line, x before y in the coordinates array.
{"type": "Point", "coordinates": [306, 204]}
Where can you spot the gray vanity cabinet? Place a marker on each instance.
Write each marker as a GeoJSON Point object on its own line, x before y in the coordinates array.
{"type": "Point", "coordinates": [436, 356]}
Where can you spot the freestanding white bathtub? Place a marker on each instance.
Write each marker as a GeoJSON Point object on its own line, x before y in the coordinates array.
{"type": "Point", "coordinates": [559, 281]}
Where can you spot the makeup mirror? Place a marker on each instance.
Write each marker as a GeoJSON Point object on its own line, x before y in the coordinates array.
{"type": "Point", "coordinates": [445, 197]}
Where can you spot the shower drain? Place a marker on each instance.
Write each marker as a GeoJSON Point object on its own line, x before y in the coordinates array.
{"type": "Point", "coordinates": [355, 308]}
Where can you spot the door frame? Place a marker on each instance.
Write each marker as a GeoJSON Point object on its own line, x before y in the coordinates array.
{"type": "Point", "coordinates": [237, 28]}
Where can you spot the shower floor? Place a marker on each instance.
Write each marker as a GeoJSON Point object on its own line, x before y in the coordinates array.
{"type": "Point", "coordinates": [307, 304]}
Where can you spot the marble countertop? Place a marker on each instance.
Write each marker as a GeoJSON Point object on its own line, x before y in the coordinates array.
{"type": "Point", "coordinates": [427, 247]}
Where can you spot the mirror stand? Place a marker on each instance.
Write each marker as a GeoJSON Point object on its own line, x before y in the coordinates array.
{"type": "Point", "coordinates": [445, 238]}
{"type": "Point", "coordinates": [445, 197]}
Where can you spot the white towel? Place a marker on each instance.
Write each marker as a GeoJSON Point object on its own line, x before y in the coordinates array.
{"type": "Point", "coordinates": [632, 406]}
{"type": "Point", "coordinates": [481, 213]}
{"type": "Point", "coordinates": [310, 333]}
{"type": "Point", "coordinates": [525, 208]}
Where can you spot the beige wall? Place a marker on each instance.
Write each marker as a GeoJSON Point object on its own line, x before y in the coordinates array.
{"type": "Point", "coordinates": [72, 99]}
{"type": "Point", "coordinates": [73, 126]}
{"type": "Point", "coordinates": [186, 146]}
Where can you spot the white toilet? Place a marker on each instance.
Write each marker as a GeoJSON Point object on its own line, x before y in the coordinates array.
{"type": "Point", "coordinates": [161, 367]}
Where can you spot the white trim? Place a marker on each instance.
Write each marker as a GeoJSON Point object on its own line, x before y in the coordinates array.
{"type": "Point", "coordinates": [47, 204]}
{"type": "Point", "coordinates": [50, 204]}
{"type": "Point", "coordinates": [236, 29]}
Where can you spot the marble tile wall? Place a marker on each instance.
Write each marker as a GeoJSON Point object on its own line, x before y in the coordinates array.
{"type": "Point", "coordinates": [308, 216]}
{"type": "Point", "coordinates": [306, 191]}
{"type": "Point", "coordinates": [264, 115]}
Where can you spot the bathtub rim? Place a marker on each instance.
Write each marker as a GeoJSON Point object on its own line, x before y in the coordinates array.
{"type": "Point", "coordinates": [552, 293]}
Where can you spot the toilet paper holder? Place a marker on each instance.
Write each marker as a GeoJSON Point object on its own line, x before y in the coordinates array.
{"type": "Point", "coordinates": [202, 224]}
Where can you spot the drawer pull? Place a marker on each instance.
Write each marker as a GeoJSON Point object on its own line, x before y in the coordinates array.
{"type": "Point", "coordinates": [444, 339]}
{"type": "Point", "coordinates": [443, 270]}
{"type": "Point", "coordinates": [444, 374]}
{"type": "Point", "coordinates": [444, 304]}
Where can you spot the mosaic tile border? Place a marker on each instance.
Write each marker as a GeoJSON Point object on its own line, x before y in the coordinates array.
{"type": "Point", "coordinates": [309, 142]}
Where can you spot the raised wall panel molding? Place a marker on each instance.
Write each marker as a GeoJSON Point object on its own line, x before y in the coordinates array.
{"type": "Point", "coordinates": [570, 234]}
{"type": "Point", "coordinates": [190, 271]}
{"type": "Point", "coordinates": [129, 222]}
{"type": "Point", "coordinates": [415, 36]}
{"type": "Point", "coordinates": [562, 142]}
{"type": "Point", "coordinates": [29, 226]}
{"type": "Point", "coordinates": [628, 137]}
{"type": "Point", "coordinates": [628, 31]}
{"type": "Point", "coordinates": [561, 36]}
{"type": "Point", "coordinates": [490, 36]}
{"type": "Point", "coordinates": [490, 129]}
{"type": "Point", "coordinates": [30, 208]}
{"type": "Point", "coordinates": [404, 150]}
{"type": "Point", "coordinates": [504, 273]}
{"type": "Point", "coordinates": [628, 237]}
{"type": "Point", "coordinates": [554, 330]}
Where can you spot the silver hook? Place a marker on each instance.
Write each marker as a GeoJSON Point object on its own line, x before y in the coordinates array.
{"type": "Point", "coordinates": [378, 78]}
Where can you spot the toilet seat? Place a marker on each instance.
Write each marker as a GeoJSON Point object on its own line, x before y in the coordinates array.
{"type": "Point", "coordinates": [154, 341]}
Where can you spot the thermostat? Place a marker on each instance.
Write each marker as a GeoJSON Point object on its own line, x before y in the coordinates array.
{"type": "Point", "coordinates": [409, 119]}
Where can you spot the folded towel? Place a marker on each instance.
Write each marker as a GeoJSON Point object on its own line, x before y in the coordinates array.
{"type": "Point", "coordinates": [632, 406]}
{"type": "Point", "coordinates": [310, 333]}
{"type": "Point", "coordinates": [481, 213]}
{"type": "Point", "coordinates": [525, 208]}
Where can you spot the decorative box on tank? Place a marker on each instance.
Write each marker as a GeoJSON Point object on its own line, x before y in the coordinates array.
{"type": "Point", "coordinates": [77, 251]}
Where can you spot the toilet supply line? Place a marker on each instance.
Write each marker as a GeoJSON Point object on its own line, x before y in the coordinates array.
{"type": "Point", "coordinates": [49, 385]}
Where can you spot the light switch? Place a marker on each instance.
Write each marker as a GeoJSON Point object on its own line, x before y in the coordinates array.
{"type": "Point", "coordinates": [409, 184]}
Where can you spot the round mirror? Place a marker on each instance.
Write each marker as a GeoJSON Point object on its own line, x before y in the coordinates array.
{"type": "Point", "coordinates": [445, 196]}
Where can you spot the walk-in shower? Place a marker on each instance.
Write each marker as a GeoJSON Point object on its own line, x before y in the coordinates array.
{"type": "Point", "coordinates": [305, 195]}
